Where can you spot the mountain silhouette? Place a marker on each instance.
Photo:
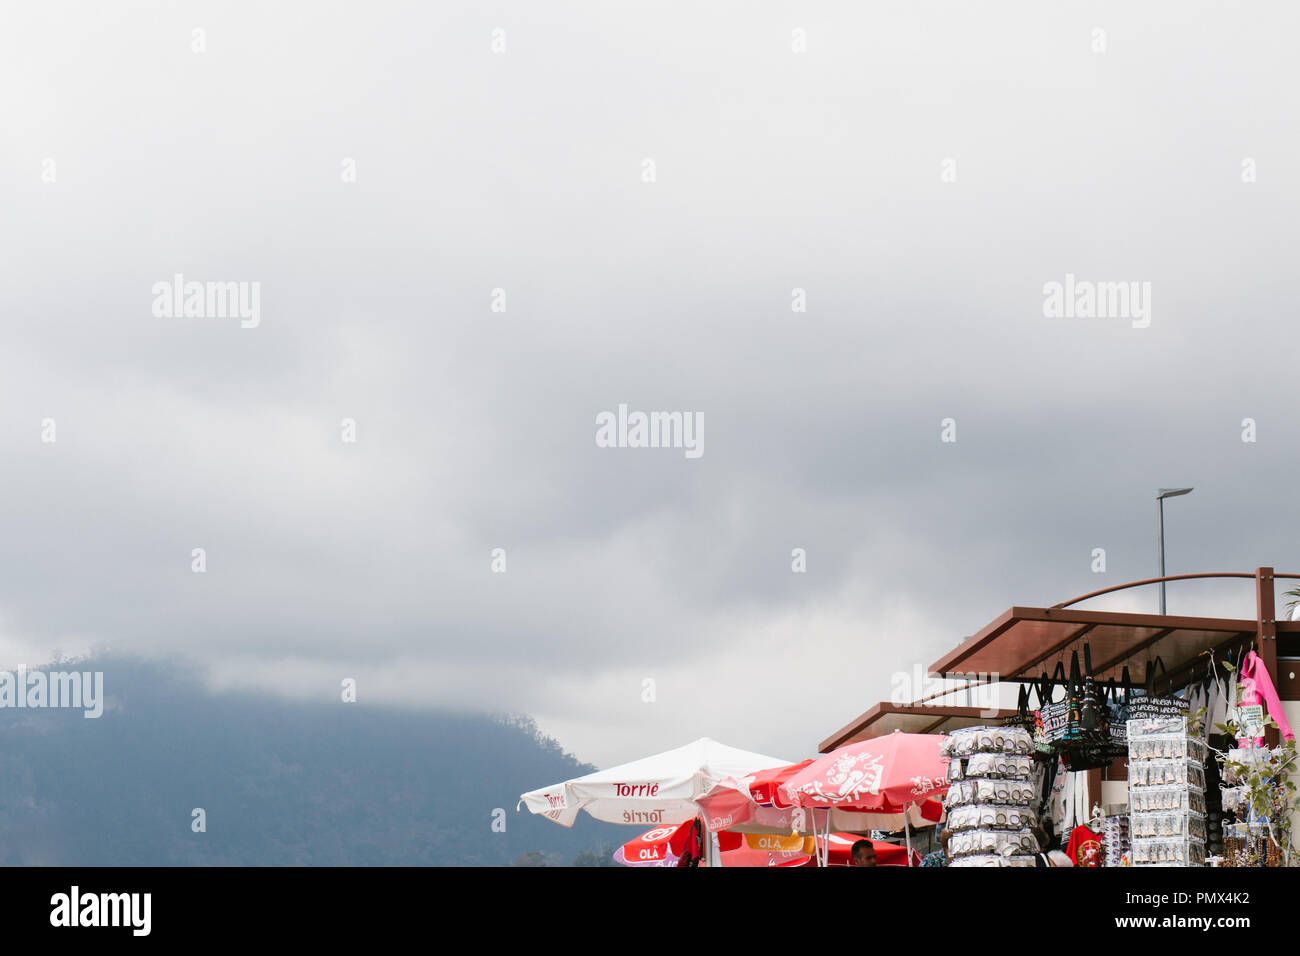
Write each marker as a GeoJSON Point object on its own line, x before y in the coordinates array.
{"type": "Point", "coordinates": [279, 782]}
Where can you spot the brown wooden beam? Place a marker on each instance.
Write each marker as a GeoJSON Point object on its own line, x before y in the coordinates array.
{"type": "Point", "coordinates": [1135, 649]}
{"type": "Point", "coordinates": [1266, 632]}
{"type": "Point", "coordinates": [1074, 635]}
{"type": "Point", "coordinates": [935, 726]}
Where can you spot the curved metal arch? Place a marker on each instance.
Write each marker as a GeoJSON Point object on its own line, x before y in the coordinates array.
{"type": "Point", "coordinates": [1168, 577]}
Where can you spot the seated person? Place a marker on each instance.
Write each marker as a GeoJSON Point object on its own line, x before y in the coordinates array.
{"type": "Point", "coordinates": [863, 853]}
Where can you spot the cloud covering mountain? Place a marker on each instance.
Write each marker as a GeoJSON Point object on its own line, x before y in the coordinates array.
{"type": "Point", "coordinates": [524, 171]}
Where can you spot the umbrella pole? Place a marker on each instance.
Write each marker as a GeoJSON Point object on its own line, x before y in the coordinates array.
{"type": "Point", "coordinates": [907, 836]}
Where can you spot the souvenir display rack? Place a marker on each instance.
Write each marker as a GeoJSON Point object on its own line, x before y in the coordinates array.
{"type": "Point", "coordinates": [990, 797]}
{"type": "Point", "coordinates": [1115, 839]}
{"type": "Point", "coordinates": [1167, 811]}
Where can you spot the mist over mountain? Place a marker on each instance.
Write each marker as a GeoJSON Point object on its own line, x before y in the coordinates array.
{"type": "Point", "coordinates": [280, 783]}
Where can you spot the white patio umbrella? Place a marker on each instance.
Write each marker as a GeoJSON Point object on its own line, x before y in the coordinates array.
{"type": "Point", "coordinates": [662, 789]}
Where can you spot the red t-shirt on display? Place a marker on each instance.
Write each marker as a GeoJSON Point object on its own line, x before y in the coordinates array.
{"type": "Point", "coordinates": [1084, 848]}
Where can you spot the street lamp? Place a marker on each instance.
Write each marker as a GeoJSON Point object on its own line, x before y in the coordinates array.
{"type": "Point", "coordinates": [1160, 525]}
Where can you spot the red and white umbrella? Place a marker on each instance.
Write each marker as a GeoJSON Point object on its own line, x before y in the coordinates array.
{"type": "Point", "coordinates": [754, 804]}
{"type": "Point", "coordinates": [745, 855]}
{"type": "Point", "coordinates": [887, 774]}
{"type": "Point", "coordinates": [764, 786]}
{"type": "Point", "coordinates": [750, 849]}
{"type": "Point", "coordinates": [661, 846]}
{"type": "Point", "coordinates": [664, 846]}
{"type": "Point", "coordinates": [884, 775]}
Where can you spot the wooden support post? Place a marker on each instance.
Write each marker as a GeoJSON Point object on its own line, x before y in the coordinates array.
{"type": "Point", "coordinates": [1266, 633]}
{"type": "Point", "coordinates": [1094, 789]}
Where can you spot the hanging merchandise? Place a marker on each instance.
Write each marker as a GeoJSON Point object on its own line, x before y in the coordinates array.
{"type": "Point", "coordinates": [1092, 719]}
{"type": "Point", "coordinates": [1115, 840]}
{"type": "Point", "coordinates": [1064, 721]}
{"type": "Point", "coordinates": [1257, 690]}
{"type": "Point", "coordinates": [1089, 746]}
{"type": "Point", "coordinates": [1230, 695]}
{"type": "Point", "coordinates": [1215, 718]}
{"type": "Point", "coordinates": [975, 740]}
{"type": "Point", "coordinates": [1197, 695]}
{"type": "Point", "coordinates": [989, 801]}
{"type": "Point", "coordinates": [1041, 744]}
{"type": "Point", "coordinates": [1041, 777]}
{"type": "Point", "coordinates": [1023, 718]}
{"type": "Point", "coordinates": [1056, 802]}
{"type": "Point", "coordinates": [1167, 820]}
{"type": "Point", "coordinates": [1081, 800]}
{"type": "Point", "coordinates": [1055, 713]}
{"type": "Point", "coordinates": [1084, 847]}
{"type": "Point", "coordinates": [1074, 736]}
{"type": "Point", "coordinates": [1149, 704]}
{"type": "Point", "coordinates": [1217, 712]}
{"type": "Point", "coordinates": [1067, 815]}
{"type": "Point", "coordinates": [1116, 694]}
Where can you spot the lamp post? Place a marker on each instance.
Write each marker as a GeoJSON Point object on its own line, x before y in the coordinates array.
{"type": "Point", "coordinates": [1160, 530]}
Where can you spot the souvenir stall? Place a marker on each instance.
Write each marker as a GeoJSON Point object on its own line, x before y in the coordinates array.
{"type": "Point", "coordinates": [1187, 765]}
{"type": "Point", "coordinates": [1164, 818]}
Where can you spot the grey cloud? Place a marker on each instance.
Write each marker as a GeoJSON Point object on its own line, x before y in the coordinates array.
{"type": "Point", "coordinates": [775, 171]}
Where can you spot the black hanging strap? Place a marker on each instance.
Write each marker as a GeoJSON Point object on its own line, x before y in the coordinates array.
{"type": "Point", "coordinates": [1151, 673]}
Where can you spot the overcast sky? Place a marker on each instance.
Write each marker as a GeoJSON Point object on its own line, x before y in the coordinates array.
{"type": "Point", "coordinates": [921, 171]}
